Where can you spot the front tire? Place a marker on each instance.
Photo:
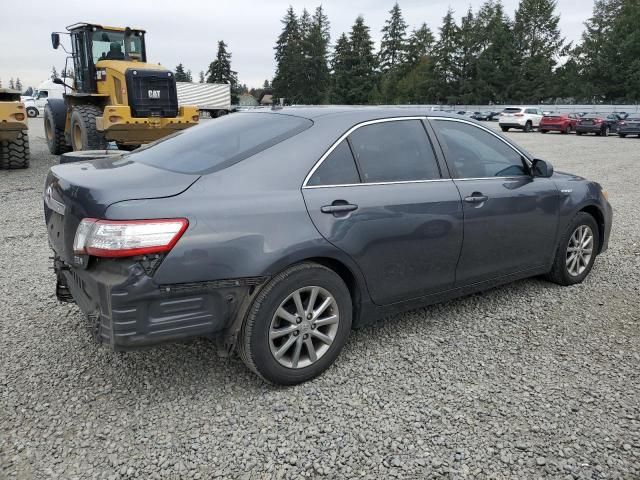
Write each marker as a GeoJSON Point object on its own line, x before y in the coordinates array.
{"type": "Point", "coordinates": [576, 252]}
{"type": "Point", "coordinates": [544, 131]}
{"type": "Point", "coordinates": [622, 135]}
{"type": "Point", "coordinates": [528, 127]}
{"type": "Point", "coordinates": [297, 325]}
{"type": "Point", "coordinates": [54, 134]}
{"type": "Point", "coordinates": [84, 135]}
{"type": "Point", "coordinates": [32, 112]}
{"type": "Point", "coordinates": [505, 129]}
{"type": "Point", "coordinates": [579, 133]}
{"type": "Point", "coordinates": [14, 154]}
{"type": "Point", "coordinates": [567, 130]}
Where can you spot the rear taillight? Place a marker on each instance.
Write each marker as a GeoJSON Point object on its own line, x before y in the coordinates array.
{"type": "Point", "coordinates": [598, 120]}
{"type": "Point", "coordinates": [621, 122]}
{"type": "Point", "coordinates": [127, 238]}
{"type": "Point", "coordinates": [519, 114]}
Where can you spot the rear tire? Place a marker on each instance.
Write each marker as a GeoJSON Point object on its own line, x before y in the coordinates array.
{"type": "Point", "coordinates": [622, 135]}
{"type": "Point", "coordinates": [578, 133]}
{"type": "Point", "coordinates": [84, 135]}
{"type": "Point", "coordinates": [544, 131]}
{"type": "Point", "coordinates": [14, 154]}
{"type": "Point", "coordinates": [505, 129]}
{"type": "Point", "coordinates": [567, 130]}
{"type": "Point", "coordinates": [258, 347]}
{"type": "Point", "coordinates": [32, 112]}
{"type": "Point", "coordinates": [54, 134]}
{"type": "Point", "coordinates": [560, 272]}
{"type": "Point", "coordinates": [528, 127]}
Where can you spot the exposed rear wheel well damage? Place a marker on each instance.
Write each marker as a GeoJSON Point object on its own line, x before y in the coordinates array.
{"type": "Point", "coordinates": [599, 218]}
{"type": "Point", "coordinates": [347, 277]}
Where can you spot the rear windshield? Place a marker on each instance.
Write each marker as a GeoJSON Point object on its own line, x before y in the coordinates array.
{"type": "Point", "coordinates": [512, 110]}
{"type": "Point", "coordinates": [219, 143]}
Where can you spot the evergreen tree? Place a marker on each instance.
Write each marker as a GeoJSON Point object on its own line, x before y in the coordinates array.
{"type": "Point", "coordinates": [12, 85]}
{"type": "Point", "coordinates": [538, 45]}
{"type": "Point", "coordinates": [419, 45]}
{"type": "Point", "coordinates": [340, 78]}
{"type": "Point", "coordinates": [495, 70]}
{"type": "Point", "coordinates": [469, 49]}
{"type": "Point", "coordinates": [315, 51]}
{"type": "Point", "coordinates": [361, 63]}
{"type": "Point", "coordinates": [287, 81]}
{"type": "Point", "coordinates": [181, 75]}
{"type": "Point", "coordinates": [446, 73]}
{"type": "Point", "coordinates": [18, 84]}
{"type": "Point", "coordinates": [393, 43]}
{"type": "Point", "coordinates": [201, 76]}
{"type": "Point", "coordinates": [28, 92]}
{"type": "Point", "coordinates": [604, 58]}
{"type": "Point", "coordinates": [54, 73]}
{"type": "Point", "coordinates": [220, 71]}
{"type": "Point", "coordinates": [266, 84]}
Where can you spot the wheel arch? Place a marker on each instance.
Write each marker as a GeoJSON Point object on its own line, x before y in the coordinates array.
{"type": "Point", "coordinates": [598, 216]}
{"type": "Point", "coordinates": [342, 265]}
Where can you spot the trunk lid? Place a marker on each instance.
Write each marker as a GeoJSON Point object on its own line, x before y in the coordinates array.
{"type": "Point", "coordinates": [75, 191]}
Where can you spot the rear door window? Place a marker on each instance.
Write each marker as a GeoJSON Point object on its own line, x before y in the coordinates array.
{"type": "Point", "coordinates": [217, 144]}
{"type": "Point", "coordinates": [394, 151]}
{"type": "Point", "coordinates": [338, 168]}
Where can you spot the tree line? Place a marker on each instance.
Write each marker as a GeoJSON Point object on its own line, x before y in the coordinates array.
{"type": "Point", "coordinates": [483, 57]}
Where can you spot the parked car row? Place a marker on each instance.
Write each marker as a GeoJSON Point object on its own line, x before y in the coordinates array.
{"type": "Point", "coordinates": [530, 118]}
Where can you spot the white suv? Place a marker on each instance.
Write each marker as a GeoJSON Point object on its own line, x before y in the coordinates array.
{"type": "Point", "coordinates": [522, 118]}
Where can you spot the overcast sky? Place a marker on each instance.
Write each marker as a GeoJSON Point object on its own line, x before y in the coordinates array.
{"type": "Point", "coordinates": [187, 31]}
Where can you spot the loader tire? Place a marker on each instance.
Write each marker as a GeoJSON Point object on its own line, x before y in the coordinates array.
{"type": "Point", "coordinates": [14, 154]}
{"type": "Point", "coordinates": [54, 134]}
{"type": "Point", "coordinates": [84, 135]}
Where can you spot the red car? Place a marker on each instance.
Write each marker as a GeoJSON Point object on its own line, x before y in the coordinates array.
{"type": "Point", "coordinates": [559, 122]}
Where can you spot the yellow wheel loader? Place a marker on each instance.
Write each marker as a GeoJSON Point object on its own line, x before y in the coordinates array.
{"type": "Point", "coordinates": [115, 94]}
{"type": "Point", "coordinates": [14, 141]}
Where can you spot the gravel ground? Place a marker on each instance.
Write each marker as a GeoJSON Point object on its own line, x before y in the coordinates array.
{"type": "Point", "coordinates": [526, 381]}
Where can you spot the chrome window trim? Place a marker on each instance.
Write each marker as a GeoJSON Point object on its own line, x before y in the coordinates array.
{"type": "Point", "coordinates": [481, 127]}
{"type": "Point", "coordinates": [366, 184]}
{"type": "Point", "coordinates": [344, 136]}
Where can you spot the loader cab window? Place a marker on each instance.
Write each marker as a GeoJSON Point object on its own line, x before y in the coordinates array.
{"type": "Point", "coordinates": [114, 45]}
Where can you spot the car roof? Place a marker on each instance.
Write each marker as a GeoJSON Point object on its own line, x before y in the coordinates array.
{"type": "Point", "coordinates": [359, 113]}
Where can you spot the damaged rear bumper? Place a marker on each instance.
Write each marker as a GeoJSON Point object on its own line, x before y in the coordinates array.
{"type": "Point", "coordinates": [127, 309]}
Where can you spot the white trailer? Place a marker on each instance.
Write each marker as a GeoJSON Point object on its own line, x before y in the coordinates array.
{"type": "Point", "coordinates": [212, 98]}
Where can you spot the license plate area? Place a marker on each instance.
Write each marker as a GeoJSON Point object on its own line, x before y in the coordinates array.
{"type": "Point", "coordinates": [55, 230]}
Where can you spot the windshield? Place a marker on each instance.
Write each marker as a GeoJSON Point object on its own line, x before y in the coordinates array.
{"type": "Point", "coordinates": [111, 45]}
{"type": "Point", "coordinates": [220, 143]}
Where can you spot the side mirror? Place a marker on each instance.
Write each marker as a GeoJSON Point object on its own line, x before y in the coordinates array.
{"type": "Point", "coordinates": [58, 81]}
{"type": "Point", "coordinates": [540, 168]}
{"type": "Point", "coordinates": [55, 40]}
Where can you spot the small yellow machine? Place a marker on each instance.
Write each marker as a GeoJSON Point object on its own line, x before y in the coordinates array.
{"type": "Point", "coordinates": [14, 141]}
{"type": "Point", "coordinates": [115, 96]}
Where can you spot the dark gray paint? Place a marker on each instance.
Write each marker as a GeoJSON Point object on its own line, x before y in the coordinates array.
{"type": "Point", "coordinates": [250, 220]}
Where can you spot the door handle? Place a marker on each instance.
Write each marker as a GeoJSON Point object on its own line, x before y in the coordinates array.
{"type": "Point", "coordinates": [338, 208]}
{"type": "Point", "coordinates": [476, 198]}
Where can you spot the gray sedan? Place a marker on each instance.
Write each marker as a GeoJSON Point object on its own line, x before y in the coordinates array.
{"type": "Point", "coordinates": [277, 232]}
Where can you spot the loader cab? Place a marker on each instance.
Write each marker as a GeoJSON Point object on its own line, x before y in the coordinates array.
{"type": "Point", "coordinates": [92, 43]}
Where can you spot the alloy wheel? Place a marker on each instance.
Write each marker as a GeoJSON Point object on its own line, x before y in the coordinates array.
{"type": "Point", "coordinates": [579, 250]}
{"type": "Point", "coordinates": [304, 327]}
